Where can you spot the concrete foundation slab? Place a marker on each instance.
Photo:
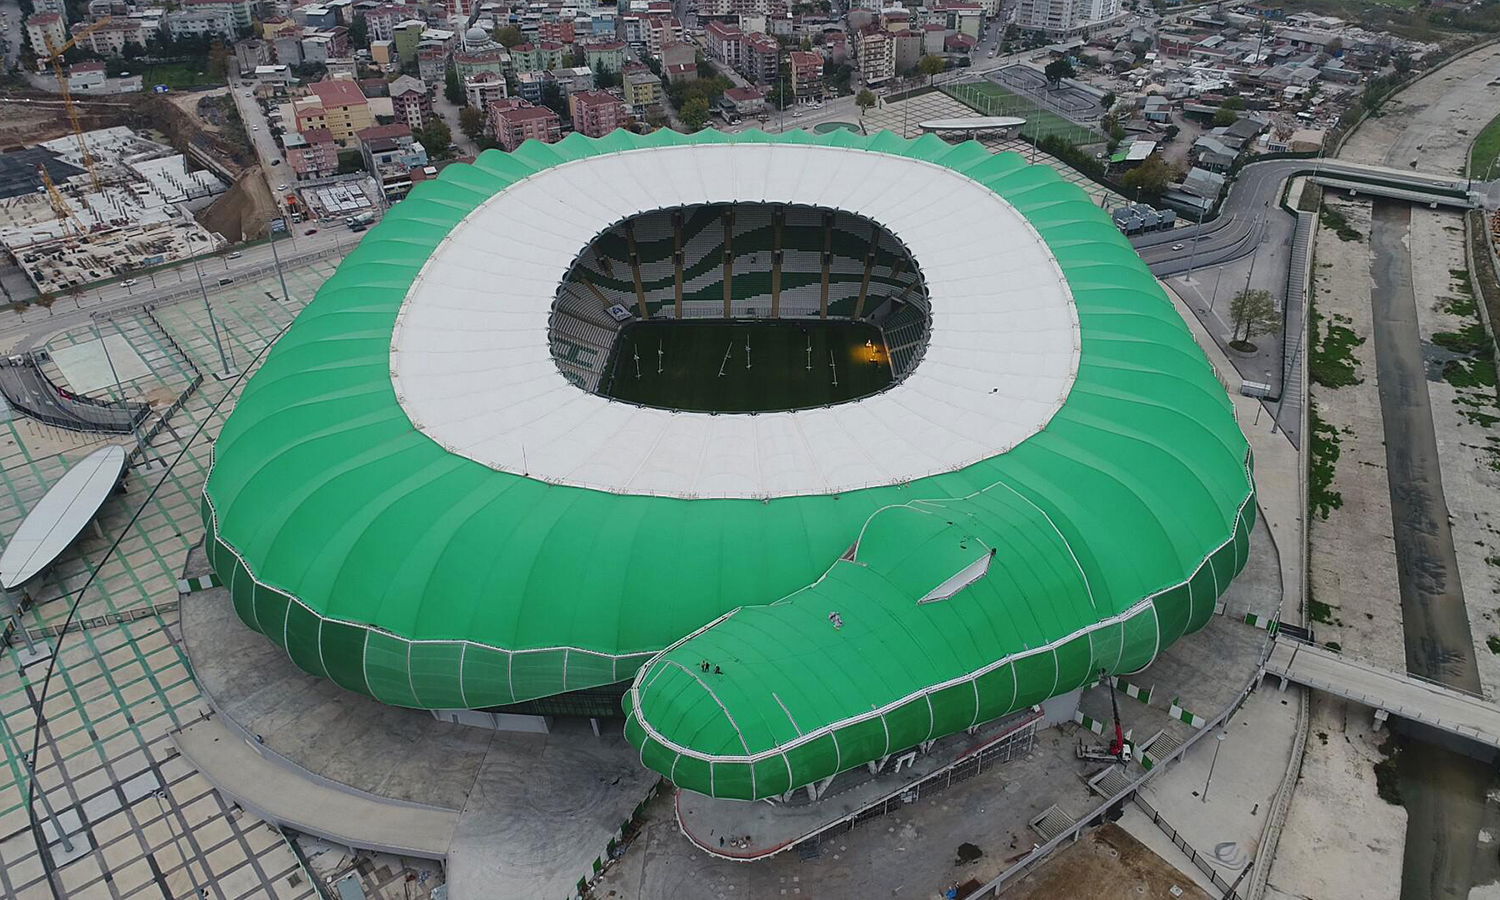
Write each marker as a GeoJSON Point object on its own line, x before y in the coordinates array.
{"type": "Point", "coordinates": [515, 815]}
{"type": "Point", "coordinates": [95, 367]}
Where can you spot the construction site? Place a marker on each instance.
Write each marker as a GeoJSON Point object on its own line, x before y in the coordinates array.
{"type": "Point", "coordinates": [93, 190]}
{"type": "Point", "coordinates": [100, 205]}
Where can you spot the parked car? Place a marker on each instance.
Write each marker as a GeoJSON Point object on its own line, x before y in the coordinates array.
{"type": "Point", "coordinates": [311, 231]}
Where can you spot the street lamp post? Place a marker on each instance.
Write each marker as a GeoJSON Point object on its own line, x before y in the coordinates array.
{"type": "Point", "coordinates": [225, 372]}
{"type": "Point", "coordinates": [277, 257]}
{"type": "Point", "coordinates": [1218, 741]}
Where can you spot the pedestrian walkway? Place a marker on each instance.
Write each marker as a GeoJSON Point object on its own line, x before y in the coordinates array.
{"type": "Point", "coordinates": [277, 793]}
{"type": "Point", "coordinates": [1396, 693]}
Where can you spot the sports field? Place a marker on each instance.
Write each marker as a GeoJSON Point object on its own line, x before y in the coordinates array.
{"type": "Point", "coordinates": [737, 367]}
{"type": "Point", "coordinates": [990, 99]}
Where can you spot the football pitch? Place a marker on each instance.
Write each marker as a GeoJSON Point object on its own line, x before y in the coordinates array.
{"type": "Point", "coordinates": [737, 367]}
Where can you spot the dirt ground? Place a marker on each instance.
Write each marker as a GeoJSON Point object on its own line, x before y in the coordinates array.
{"type": "Point", "coordinates": [1352, 563]}
{"type": "Point", "coordinates": [1340, 841]}
{"type": "Point", "coordinates": [1433, 121]}
{"type": "Point", "coordinates": [21, 125]}
{"type": "Point", "coordinates": [1466, 418]}
{"type": "Point", "coordinates": [1106, 864]}
{"type": "Point", "coordinates": [242, 212]}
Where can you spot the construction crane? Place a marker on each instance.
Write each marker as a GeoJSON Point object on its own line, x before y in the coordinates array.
{"type": "Point", "coordinates": [55, 56]}
{"type": "Point", "coordinates": [59, 204]}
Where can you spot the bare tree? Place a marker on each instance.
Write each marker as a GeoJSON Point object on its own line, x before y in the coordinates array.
{"type": "Point", "coordinates": [1251, 312]}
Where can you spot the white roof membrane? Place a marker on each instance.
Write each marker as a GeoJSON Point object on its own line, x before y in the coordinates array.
{"type": "Point", "coordinates": [472, 366]}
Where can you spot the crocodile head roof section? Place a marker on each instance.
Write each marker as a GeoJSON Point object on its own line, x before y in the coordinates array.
{"type": "Point", "coordinates": [1069, 494]}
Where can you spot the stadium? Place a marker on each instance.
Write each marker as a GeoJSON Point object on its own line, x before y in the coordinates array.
{"type": "Point", "coordinates": [796, 451]}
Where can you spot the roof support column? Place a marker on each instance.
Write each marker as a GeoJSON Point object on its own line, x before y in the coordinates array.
{"type": "Point", "coordinates": [677, 264]}
{"type": "Point", "coordinates": [827, 261]}
{"type": "Point", "coordinates": [778, 219]}
{"type": "Point", "coordinates": [728, 260]}
{"type": "Point", "coordinates": [635, 271]}
{"type": "Point", "coordinates": [864, 285]}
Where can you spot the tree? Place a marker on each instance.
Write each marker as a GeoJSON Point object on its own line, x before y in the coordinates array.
{"type": "Point", "coordinates": [694, 113]}
{"type": "Point", "coordinates": [1150, 178]}
{"type": "Point", "coordinates": [47, 298]}
{"type": "Point", "coordinates": [606, 78]}
{"type": "Point", "coordinates": [1225, 116]}
{"type": "Point", "coordinates": [453, 89]}
{"type": "Point", "coordinates": [218, 61]}
{"type": "Point", "coordinates": [509, 36]}
{"type": "Point", "coordinates": [359, 34]}
{"type": "Point", "coordinates": [1334, 47]}
{"type": "Point", "coordinates": [864, 100]}
{"type": "Point", "coordinates": [1171, 133]}
{"type": "Point", "coordinates": [1059, 69]}
{"type": "Point", "coordinates": [471, 121]}
{"type": "Point", "coordinates": [931, 65]}
{"type": "Point", "coordinates": [1251, 312]}
{"type": "Point", "coordinates": [553, 99]}
{"type": "Point", "coordinates": [436, 137]}
{"type": "Point", "coordinates": [1108, 100]}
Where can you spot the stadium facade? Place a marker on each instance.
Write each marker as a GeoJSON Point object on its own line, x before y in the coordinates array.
{"type": "Point", "coordinates": [425, 495]}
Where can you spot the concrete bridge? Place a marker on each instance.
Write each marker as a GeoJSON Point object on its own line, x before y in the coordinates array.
{"type": "Point", "coordinates": [1389, 692]}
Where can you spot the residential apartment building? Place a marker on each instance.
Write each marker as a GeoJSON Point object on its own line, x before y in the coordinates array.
{"type": "Point", "coordinates": [341, 107]}
{"type": "Point", "coordinates": [391, 154]}
{"type": "Point", "coordinates": [762, 59]}
{"type": "Point", "coordinates": [112, 38]}
{"type": "Point", "coordinates": [42, 28]}
{"type": "Point", "coordinates": [606, 56]}
{"type": "Point", "coordinates": [189, 23]}
{"type": "Point", "coordinates": [249, 54]}
{"type": "Point", "coordinates": [311, 153]}
{"type": "Point", "coordinates": [1066, 18]}
{"type": "Point", "coordinates": [806, 72]}
{"type": "Point", "coordinates": [483, 89]}
{"type": "Point", "coordinates": [726, 44]}
{"type": "Point", "coordinates": [515, 121]}
{"type": "Point", "coordinates": [642, 91]}
{"type": "Point", "coordinates": [557, 32]}
{"type": "Point", "coordinates": [877, 55]}
{"type": "Point", "coordinates": [411, 102]}
{"type": "Point", "coordinates": [597, 113]}
{"type": "Point", "coordinates": [241, 12]}
{"type": "Point", "coordinates": [544, 56]}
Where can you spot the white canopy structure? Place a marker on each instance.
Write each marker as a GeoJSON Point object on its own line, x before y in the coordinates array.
{"type": "Point", "coordinates": [60, 516]}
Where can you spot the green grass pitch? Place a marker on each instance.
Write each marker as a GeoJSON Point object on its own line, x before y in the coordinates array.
{"type": "Point", "coordinates": [738, 367]}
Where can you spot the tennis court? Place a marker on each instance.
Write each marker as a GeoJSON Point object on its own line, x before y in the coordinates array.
{"type": "Point", "coordinates": [737, 367]}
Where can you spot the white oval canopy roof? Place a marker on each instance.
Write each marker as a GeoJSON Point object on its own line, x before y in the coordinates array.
{"type": "Point", "coordinates": [61, 515]}
{"type": "Point", "coordinates": [473, 369]}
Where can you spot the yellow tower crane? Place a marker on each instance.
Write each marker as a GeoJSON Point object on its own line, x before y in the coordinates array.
{"type": "Point", "coordinates": [55, 56]}
{"type": "Point", "coordinates": [59, 203]}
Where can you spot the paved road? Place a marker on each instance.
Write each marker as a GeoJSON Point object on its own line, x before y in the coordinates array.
{"type": "Point", "coordinates": [17, 333]}
{"type": "Point", "coordinates": [273, 166]}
